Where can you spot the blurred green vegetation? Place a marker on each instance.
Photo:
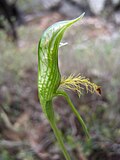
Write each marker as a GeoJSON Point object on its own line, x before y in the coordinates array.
{"type": "Point", "coordinates": [29, 6]}
{"type": "Point", "coordinates": [15, 59]}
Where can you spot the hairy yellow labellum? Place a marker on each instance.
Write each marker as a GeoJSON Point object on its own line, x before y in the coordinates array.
{"type": "Point", "coordinates": [77, 83]}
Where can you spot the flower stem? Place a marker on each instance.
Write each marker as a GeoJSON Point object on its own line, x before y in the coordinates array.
{"type": "Point", "coordinates": [64, 94]}
{"type": "Point", "coordinates": [59, 138]}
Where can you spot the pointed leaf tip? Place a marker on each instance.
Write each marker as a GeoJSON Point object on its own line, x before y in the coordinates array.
{"type": "Point", "coordinates": [80, 17]}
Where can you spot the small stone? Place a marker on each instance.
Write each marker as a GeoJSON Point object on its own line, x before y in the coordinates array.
{"type": "Point", "coordinates": [117, 17]}
{"type": "Point", "coordinates": [70, 10]}
{"type": "Point", "coordinates": [96, 6]}
{"type": "Point", "coordinates": [48, 4]}
{"type": "Point", "coordinates": [115, 2]}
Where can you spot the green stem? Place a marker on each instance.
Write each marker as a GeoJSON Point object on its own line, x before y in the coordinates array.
{"type": "Point", "coordinates": [62, 93]}
{"type": "Point", "coordinates": [59, 138]}
{"type": "Point", "coordinates": [49, 112]}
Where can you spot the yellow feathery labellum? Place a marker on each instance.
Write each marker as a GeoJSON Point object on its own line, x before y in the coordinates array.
{"type": "Point", "coordinates": [76, 83]}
